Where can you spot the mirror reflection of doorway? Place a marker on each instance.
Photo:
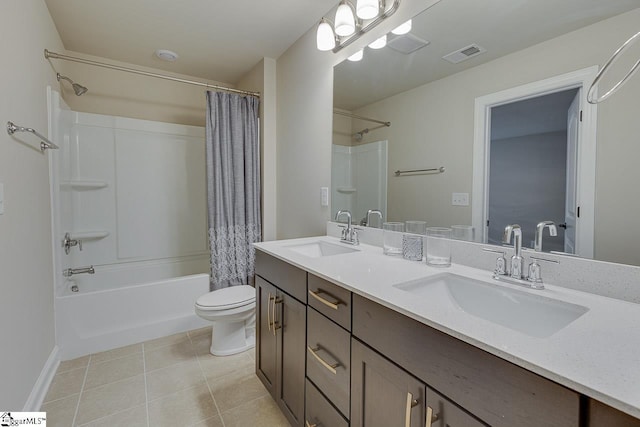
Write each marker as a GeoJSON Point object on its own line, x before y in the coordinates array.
{"type": "Point", "coordinates": [532, 168]}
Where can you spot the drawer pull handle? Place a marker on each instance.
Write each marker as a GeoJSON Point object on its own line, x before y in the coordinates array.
{"type": "Point", "coordinates": [431, 417]}
{"type": "Point", "coordinates": [330, 367]}
{"type": "Point", "coordinates": [308, 424]}
{"type": "Point", "coordinates": [332, 304]}
{"type": "Point", "coordinates": [269, 322]}
{"type": "Point", "coordinates": [410, 404]}
{"type": "Point", "coordinates": [273, 315]}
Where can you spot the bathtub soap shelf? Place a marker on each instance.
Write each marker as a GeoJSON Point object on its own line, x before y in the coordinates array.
{"type": "Point", "coordinates": [346, 190]}
{"type": "Point", "coordinates": [83, 184]}
{"type": "Point", "coordinates": [89, 235]}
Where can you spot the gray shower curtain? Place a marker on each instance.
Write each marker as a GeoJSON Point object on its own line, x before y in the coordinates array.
{"type": "Point", "coordinates": [233, 187]}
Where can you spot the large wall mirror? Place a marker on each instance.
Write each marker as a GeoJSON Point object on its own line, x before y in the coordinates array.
{"type": "Point", "coordinates": [494, 93]}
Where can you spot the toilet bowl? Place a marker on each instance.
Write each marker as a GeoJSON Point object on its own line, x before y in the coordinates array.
{"type": "Point", "coordinates": [233, 313]}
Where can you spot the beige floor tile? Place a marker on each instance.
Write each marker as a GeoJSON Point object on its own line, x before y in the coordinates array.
{"type": "Point", "coordinates": [70, 365]}
{"type": "Point", "coordinates": [114, 370]}
{"type": "Point", "coordinates": [183, 408]}
{"type": "Point", "coordinates": [168, 355]}
{"type": "Point", "coordinates": [134, 417]}
{"type": "Point", "coordinates": [60, 412]}
{"type": "Point", "coordinates": [116, 353]}
{"type": "Point", "coordinates": [261, 412]}
{"type": "Point", "coordinates": [206, 331]}
{"type": "Point", "coordinates": [165, 341]}
{"type": "Point", "coordinates": [210, 422]}
{"type": "Point", "coordinates": [174, 378]}
{"type": "Point", "coordinates": [236, 388]}
{"type": "Point", "coordinates": [217, 366]}
{"type": "Point", "coordinates": [65, 384]}
{"type": "Point", "coordinates": [111, 398]}
{"type": "Point", "coordinates": [201, 344]}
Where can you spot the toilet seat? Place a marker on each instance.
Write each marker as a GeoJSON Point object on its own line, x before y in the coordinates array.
{"type": "Point", "coordinates": [227, 298]}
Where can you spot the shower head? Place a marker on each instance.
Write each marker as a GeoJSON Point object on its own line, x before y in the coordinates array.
{"type": "Point", "coordinates": [77, 88]}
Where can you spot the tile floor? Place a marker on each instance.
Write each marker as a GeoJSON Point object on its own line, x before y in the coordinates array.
{"type": "Point", "coordinates": [170, 381]}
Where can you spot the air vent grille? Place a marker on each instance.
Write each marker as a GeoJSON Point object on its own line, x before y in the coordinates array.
{"type": "Point", "coordinates": [464, 53]}
{"type": "Point", "coordinates": [407, 43]}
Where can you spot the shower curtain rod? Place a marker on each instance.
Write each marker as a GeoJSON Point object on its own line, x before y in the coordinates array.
{"type": "Point", "coordinates": [48, 54]}
{"type": "Point", "coordinates": [355, 116]}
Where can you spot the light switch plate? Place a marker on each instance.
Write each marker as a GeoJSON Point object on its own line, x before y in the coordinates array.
{"type": "Point", "coordinates": [460, 199]}
{"type": "Point", "coordinates": [324, 196]}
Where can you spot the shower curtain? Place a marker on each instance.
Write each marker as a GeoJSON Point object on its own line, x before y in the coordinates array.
{"type": "Point", "coordinates": [233, 187]}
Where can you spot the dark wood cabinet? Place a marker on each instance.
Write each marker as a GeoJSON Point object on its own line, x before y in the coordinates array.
{"type": "Point", "coordinates": [281, 337]}
{"type": "Point", "coordinates": [445, 413]}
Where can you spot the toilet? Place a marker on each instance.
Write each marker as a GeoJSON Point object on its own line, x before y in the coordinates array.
{"type": "Point", "coordinates": [233, 313]}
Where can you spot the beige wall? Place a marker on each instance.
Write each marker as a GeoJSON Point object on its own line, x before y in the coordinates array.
{"type": "Point", "coordinates": [304, 117]}
{"type": "Point", "coordinates": [342, 130]}
{"type": "Point", "coordinates": [432, 125]}
{"type": "Point", "coordinates": [26, 277]}
{"type": "Point", "coordinates": [262, 78]}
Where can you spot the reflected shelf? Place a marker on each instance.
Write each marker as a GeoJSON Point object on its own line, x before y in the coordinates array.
{"type": "Point", "coordinates": [89, 234]}
{"type": "Point", "coordinates": [83, 184]}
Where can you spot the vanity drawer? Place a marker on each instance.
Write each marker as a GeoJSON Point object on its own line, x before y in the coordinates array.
{"type": "Point", "coordinates": [330, 300]}
{"type": "Point", "coordinates": [290, 279]}
{"type": "Point", "coordinates": [329, 359]}
{"type": "Point", "coordinates": [319, 412]}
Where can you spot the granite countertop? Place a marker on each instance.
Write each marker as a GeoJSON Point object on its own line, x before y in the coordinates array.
{"type": "Point", "coordinates": [598, 354]}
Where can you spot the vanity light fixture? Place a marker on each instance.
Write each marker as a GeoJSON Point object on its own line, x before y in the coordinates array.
{"type": "Point", "coordinates": [348, 27]}
{"type": "Point", "coordinates": [379, 43]}
{"type": "Point", "coordinates": [402, 29]}
{"type": "Point", "coordinates": [356, 56]}
{"type": "Point", "coordinates": [345, 22]}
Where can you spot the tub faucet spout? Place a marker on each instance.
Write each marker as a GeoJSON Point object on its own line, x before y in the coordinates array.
{"type": "Point", "coordinates": [71, 271]}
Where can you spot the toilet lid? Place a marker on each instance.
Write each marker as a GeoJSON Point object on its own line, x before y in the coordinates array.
{"type": "Point", "coordinates": [231, 297]}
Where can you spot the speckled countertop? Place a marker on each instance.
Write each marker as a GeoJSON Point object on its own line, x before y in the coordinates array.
{"type": "Point", "coordinates": [598, 354]}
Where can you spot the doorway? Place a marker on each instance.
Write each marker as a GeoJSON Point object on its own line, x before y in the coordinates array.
{"type": "Point", "coordinates": [532, 167]}
{"type": "Point", "coordinates": [534, 160]}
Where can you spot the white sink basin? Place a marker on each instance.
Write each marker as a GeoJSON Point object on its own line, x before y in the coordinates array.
{"type": "Point", "coordinates": [321, 248]}
{"type": "Point", "coordinates": [533, 315]}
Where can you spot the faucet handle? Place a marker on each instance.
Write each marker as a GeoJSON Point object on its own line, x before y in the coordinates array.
{"type": "Point", "coordinates": [501, 262]}
{"type": "Point", "coordinates": [535, 275]}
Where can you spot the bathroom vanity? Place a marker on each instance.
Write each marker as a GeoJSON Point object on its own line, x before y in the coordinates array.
{"type": "Point", "coordinates": [348, 336]}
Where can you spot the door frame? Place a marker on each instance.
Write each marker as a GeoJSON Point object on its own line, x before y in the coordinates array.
{"type": "Point", "coordinates": [586, 171]}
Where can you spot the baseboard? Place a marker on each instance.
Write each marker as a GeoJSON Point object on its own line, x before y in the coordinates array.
{"type": "Point", "coordinates": [41, 387]}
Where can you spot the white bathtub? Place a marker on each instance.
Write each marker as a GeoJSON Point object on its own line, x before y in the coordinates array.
{"type": "Point", "coordinates": [110, 310]}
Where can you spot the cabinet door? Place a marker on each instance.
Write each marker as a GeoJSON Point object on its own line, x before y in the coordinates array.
{"type": "Point", "coordinates": [383, 395]}
{"type": "Point", "coordinates": [446, 414]}
{"type": "Point", "coordinates": [266, 337]}
{"type": "Point", "coordinates": [291, 321]}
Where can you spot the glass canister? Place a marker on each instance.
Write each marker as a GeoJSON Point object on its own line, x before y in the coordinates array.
{"type": "Point", "coordinates": [412, 240]}
{"type": "Point", "coordinates": [392, 238]}
{"type": "Point", "coordinates": [438, 246]}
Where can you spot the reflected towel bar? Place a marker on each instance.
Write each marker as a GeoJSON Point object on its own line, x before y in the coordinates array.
{"type": "Point", "coordinates": [437, 170]}
{"type": "Point", "coordinates": [44, 143]}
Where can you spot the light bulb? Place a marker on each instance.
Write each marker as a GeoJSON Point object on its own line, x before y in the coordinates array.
{"type": "Point", "coordinates": [325, 39]}
{"type": "Point", "coordinates": [356, 56]}
{"type": "Point", "coordinates": [403, 28]}
{"type": "Point", "coordinates": [379, 43]}
{"type": "Point", "coordinates": [345, 22]}
{"type": "Point", "coordinates": [367, 9]}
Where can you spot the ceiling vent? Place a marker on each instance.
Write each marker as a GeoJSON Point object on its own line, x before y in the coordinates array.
{"type": "Point", "coordinates": [407, 43]}
{"type": "Point", "coordinates": [464, 53]}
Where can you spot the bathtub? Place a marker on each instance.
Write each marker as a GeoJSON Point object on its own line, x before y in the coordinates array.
{"type": "Point", "coordinates": [117, 307]}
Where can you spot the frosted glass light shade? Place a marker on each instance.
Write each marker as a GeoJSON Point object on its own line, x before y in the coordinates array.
{"type": "Point", "coordinates": [379, 43]}
{"type": "Point", "coordinates": [367, 9]}
{"type": "Point", "coordinates": [356, 56]}
{"type": "Point", "coordinates": [345, 22]}
{"type": "Point", "coordinates": [325, 39]}
{"type": "Point", "coordinates": [403, 28]}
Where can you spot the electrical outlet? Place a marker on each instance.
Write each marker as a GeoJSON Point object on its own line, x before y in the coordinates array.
{"type": "Point", "coordinates": [460, 199]}
{"type": "Point", "coordinates": [324, 196]}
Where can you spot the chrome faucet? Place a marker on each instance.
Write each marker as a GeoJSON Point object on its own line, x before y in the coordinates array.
{"type": "Point", "coordinates": [553, 231]}
{"type": "Point", "coordinates": [68, 243]}
{"type": "Point", "coordinates": [71, 271]}
{"type": "Point", "coordinates": [517, 263]}
{"type": "Point", "coordinates": [368, 217]}
{"type": "Point", "coordinates": [349, 234]}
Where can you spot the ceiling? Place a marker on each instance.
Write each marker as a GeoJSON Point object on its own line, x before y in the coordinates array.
{"type": "Point", "coordinates": [216, 40]}
{"type": "Point", "coordinates": [499, 26]}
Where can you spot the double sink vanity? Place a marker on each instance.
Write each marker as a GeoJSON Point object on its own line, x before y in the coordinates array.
{"type": "Point", "coordinates": [349, 336]}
